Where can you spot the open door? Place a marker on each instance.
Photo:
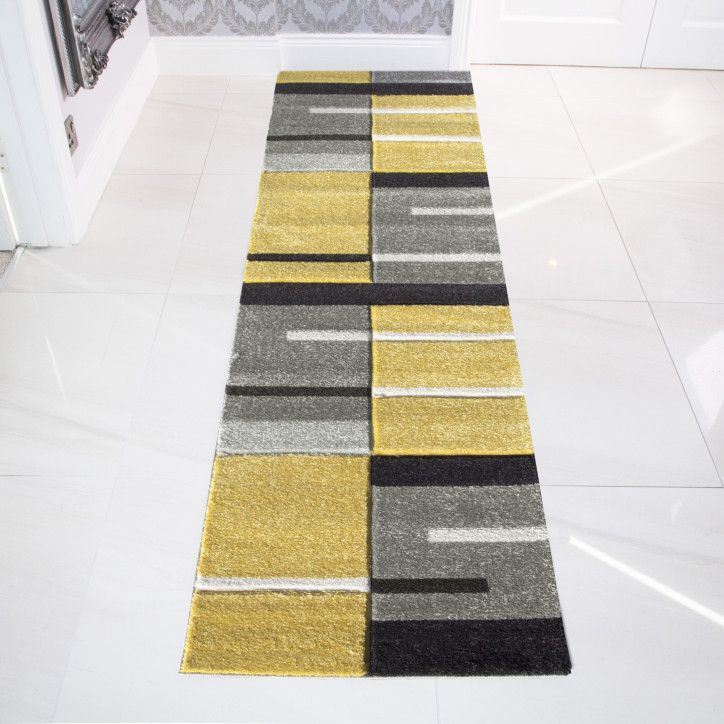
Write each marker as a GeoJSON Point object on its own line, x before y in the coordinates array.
{"type": "Point", "coordinates": [686, 34]}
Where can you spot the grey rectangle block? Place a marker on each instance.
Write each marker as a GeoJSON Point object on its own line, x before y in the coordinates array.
{"type": "Point", "coordinates": [318, 155]}
{"type": "Point", "coordinates": [263, 355]}
{"type": "Point", "coordinates": [519, 574]}
{"type": "Point", "coordinates": [396, 229]}
{"type": "Point", "coordinates": [279, 436]}
{"type": "Point", "coordinates": [438, 272]}
{"type": "Point", "coordinates": [414, 76]}
{"type": "Point", "coordinates": [291, 115]}
{"type": "Point", "coordinates": [255, 425]}
{"type": "Point", "coordinates": [297, 408]}
{"type": "Point", "coordinates": [512, 596]}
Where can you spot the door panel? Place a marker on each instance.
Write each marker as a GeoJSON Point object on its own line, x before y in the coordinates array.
{"type": "Point", "coordinates": [686, 34]}
{"type": "Point", "coordinates": [559, 32]}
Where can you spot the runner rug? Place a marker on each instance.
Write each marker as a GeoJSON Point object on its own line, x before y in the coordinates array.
{"type": "Point", "coordinates": [374, 505]}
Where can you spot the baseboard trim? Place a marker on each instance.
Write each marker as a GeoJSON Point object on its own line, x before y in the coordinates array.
{"type": "Point", "coordinates": [216, 56]}
{"type": "Point", "coordinates": [300, 51]}
{"type": "Point", "coordinates": [108, 145]}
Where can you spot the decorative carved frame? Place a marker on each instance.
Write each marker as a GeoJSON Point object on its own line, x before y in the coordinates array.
{"type": "Point", "coordinates": [83, 40]}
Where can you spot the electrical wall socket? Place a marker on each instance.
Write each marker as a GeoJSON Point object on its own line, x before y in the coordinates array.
{"type": "Point", "coordinates": [71, 134]}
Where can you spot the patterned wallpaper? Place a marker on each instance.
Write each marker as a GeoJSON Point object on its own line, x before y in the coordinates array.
{"type": "Point", "coordinates": [268, 17]}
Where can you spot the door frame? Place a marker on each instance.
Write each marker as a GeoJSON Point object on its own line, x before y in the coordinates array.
{"type": "Point", "coordinates": [39, 176]}
{"type": "Point", "coordinates": [463, 16]}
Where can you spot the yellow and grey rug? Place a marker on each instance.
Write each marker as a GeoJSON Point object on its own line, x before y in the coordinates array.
{"type": "Point", "coordinates": [374, 506]}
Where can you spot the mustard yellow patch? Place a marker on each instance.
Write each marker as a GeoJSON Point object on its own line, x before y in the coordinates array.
{"type": "Point", "coordinates": [441, 318]}
{"type": "Point", "coordinates": [445, 364]}
{"type": "Point", "coordinates": [450, 426]}
{"type": "Point", "coordinates": [325, 212]}
{"type": "Point", "coordinates": [414, 124]}
{"type": "Point", "coordinates": [324, 76]}
{"type": "Point", "coordinates": [277, 633]}
{"type": "Point", "coordinates": [286, 516]}
{"type": "Point", "coordinates": [307, 271]}
{"type": "Point", "coordinates": [427, 157]}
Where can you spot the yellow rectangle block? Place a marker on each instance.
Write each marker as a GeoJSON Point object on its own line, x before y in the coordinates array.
{"type": "Point", "coordinates": [277, 633]}
{"type": "Point", "coordinates": [441, 318]}
{"type": "Point", "coordinates": [286, 516]}
{"type": "Point", "coordinates": [430, 157]}
{"type": "Point", "coordinates": [414, 124]}
{"type": "Point", "coordinates": [445, 364]}
{"type": "Point", "coordinates": [324, 76]}
{"type": "Point", "coordinates": [308, 271]}
{"type": "Point", "coordinates": [450, 426]}
{"type": "Point", "coordinates": [324, 212]}
{"type": "Point", "coordinates": [415, 101]}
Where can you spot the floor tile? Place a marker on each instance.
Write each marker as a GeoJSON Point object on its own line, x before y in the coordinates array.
{"type": "Point", "coordinates": [694, 334]}
{"type": "Point", "coordinates": [716, 78]}
{"type": "Point", "coordinates": [673, 232]}
{"type": "Point", "coordinates": [240, 137]}
{"type": "Point", "coordinates": [49, 531]}
{"type": "Point", "coordinates": [210, 90]}
{"type": "Point", "coordinates": [530, 138]}
{"type": "Point", "coordinates": [627, 83]}
{"type": "Point", "coordinates": [652, 139]}
{"type": "Point", "coordinates": [176, 422]}
{"type": "Point", "coordinates": [641, 653]}
{"type": "Point", "coordinates": [172, 135]}
{"type": "Point", "coordinates": [69, 375]}
{"type": "Point", "coordinates": [559, 241]}
{"type": "Point", "coordinates": [131, 244]}
{"type": "Point", "coordinates": [512, 80]}
{"type": "Point", "coordinates": [212, 253]}
{"type": "Point", "coordinates": [253, 84]}
{"type": "Point", "coordinates": [137, 607]}
{"type": "Point", "coordinates": [605, 402]}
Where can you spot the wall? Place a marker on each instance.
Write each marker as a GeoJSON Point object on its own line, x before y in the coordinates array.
{"type": "Point", "coordinates": [54, 195]}
{"type": "Point", "coordinates": [269, 17]}
{"type": "Point", "coordinates": [90, 108]}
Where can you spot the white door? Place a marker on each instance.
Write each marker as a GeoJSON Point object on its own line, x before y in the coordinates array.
{"type": "Point", "coordinates": [686, 34]}
{"type": "Point", "coordinates": [560, 32]}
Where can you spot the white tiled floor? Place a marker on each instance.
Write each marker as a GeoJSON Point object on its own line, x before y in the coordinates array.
{"type": "Point", "coordinates": [609, 191]}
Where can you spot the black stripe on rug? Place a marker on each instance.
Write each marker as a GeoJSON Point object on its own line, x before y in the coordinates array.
{"type": "Point", "coordinates": [429, 585]}
{"type": "Point", "coordinates": [381, 89]}
{"type": "Point", "coordinates": [320, 293]}
{"type": "Point", "coordinates": [535, 646]}
{"type": "Point", "coordinates": [309, 257]}
{"type": "Point", "coordinates": [264, 391]}
{"type": "Point", "coordinates": [467, 470]}
{"type": "Point", "coordinates": [323, 137]}
{"type": "Point", "coordinates": [418, 180]}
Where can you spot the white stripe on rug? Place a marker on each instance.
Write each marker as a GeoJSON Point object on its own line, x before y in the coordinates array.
{"type": "Point", "coordinates": [204, 583]}
{"type": "Point", "coordinates": [343, 335]}
{"type": "Point", "coordinates": [451, 211]}
{"type": "Point", "coordinates": [438, 258]}
{"type": "Point", "coordinates": [425, 139]}
{"type": "Point", "coordinates": [395, 111]}
{"type": "Point", "coordinates": [528, 534]}
{"type": "Point", "coordinates": [447, 392]}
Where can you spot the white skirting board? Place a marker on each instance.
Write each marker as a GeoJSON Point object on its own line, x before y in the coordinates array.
{"type": "Point", "coordinates": [300, 51]}
{"type": "Point", "coordinates": [108, 144]}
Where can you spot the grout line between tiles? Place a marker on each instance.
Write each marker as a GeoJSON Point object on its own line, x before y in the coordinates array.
{"type": "Point", "coordinates": [713, 85]}
{"type": "Point", "coordinates": [648, 302]}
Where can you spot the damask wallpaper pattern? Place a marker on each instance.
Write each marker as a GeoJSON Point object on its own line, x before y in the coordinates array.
{"type": "Point", "coordinates": [268, 17]}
